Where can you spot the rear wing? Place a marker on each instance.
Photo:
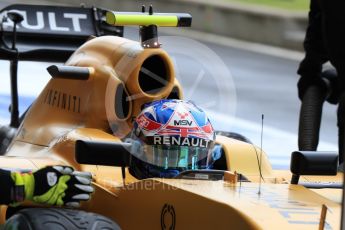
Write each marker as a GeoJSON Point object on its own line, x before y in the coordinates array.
{"type": "Point", "coordinates": [51, 33]}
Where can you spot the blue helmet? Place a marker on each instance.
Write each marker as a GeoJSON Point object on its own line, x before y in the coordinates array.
{"type": "Point", "coordinates": [170, 136]}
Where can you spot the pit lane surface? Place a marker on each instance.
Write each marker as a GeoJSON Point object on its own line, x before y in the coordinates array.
{"type": "Point", "coordinates": [264, 84]}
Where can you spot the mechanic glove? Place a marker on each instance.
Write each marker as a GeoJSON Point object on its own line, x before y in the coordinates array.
{"type": "Point", "coordinates": [55, 185]}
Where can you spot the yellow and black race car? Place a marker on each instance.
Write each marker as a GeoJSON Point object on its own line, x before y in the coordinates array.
{"type": "Point", "coordinates": [87, 108]}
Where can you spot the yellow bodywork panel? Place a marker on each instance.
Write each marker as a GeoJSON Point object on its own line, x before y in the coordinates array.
{"type": "Point", "coordinates": [218, 205]}
{"type": "Point", "coordinates": [244, 158]}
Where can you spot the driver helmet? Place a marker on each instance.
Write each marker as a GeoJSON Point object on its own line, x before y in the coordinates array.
{"type": "Point", "coordinates": [168, 137]}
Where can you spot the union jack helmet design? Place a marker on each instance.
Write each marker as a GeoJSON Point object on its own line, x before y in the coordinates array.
{"type": "Point", "coordinates": [171, 136]}
{"type": "Point", "coordinates": [174, 118]}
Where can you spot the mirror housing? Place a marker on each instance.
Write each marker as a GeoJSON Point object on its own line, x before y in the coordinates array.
{"type": "Point", "coordinates": [102, 153]}
{"type": "Point", "coordinates": [313, 163]}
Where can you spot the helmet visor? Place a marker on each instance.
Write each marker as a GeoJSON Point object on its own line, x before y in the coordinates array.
{"type": "Point", "coordinates": [173, 156]}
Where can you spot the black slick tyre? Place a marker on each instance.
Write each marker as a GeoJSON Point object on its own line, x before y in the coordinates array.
{"type": "Point", "coordinates": [58, 219]}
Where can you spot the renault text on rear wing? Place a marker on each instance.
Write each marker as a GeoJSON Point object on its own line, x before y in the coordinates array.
{"type": "Point", "coordinates": [51, 28]}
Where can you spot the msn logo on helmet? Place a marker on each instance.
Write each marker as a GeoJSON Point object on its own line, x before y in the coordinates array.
{"type": "Point", "coordinates": [183, 122]}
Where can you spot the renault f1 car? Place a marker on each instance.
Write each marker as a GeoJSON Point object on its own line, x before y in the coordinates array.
{"type": "Point", "coordinates": [86, 110]}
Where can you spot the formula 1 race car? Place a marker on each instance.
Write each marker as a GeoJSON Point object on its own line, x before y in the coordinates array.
{"type": "Point", "coordinates": [86, 110]}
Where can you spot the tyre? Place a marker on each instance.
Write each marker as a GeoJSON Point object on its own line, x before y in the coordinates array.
{"type": "Point", "coordinates": [235, 136]}
{"type": "Point", "coordinates": [6, 136]}
{"type": "Point", "coordinates": [57, 219]}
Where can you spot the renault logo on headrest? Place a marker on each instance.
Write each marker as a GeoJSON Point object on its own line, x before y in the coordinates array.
{"type": "Point", "coordinates": [168, 217]}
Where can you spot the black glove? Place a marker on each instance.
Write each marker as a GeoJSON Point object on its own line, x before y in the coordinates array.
{"type": "Point", "coordinates": [56, 185]}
